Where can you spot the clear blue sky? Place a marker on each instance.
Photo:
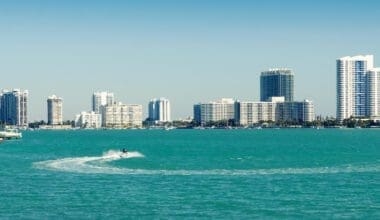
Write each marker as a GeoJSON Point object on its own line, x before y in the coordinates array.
{"type": "Point", "coordinates": [187, 51]}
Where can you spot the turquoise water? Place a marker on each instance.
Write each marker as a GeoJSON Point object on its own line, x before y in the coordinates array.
{"type": "Point", "coordinates": [286, 173]}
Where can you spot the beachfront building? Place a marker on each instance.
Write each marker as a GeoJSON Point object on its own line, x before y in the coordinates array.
{"type": "Point", "coordinates": [100, 99]}
{"type": "Point", "coordinates": [54, 110]}
{"type": "Point", "coordinates": [373, 93]}
{"type": "Point", "coordinates": [357, 87]}
{"type": "Point", "coordinates": [248, 113]}
{"type": "Point", "coordinates": [159, 110]}
{"type": "Point", "coordinates": [276, 83]}
{"type": "Point", "coordinates": [88, 120]}
{"type": "Point", "coordinates": [276, 109]}
{"type": "Point", "coordinates": [221, 110]}
{"type": "Point", "coordinates": [14, 107]}
{"type": "Point", "coordinates": [297, 111]}
{"type": "Point", "coordinates": [120, 115]}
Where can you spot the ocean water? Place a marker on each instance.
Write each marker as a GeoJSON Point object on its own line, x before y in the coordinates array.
{"type": "Point", "coordinates": [223, 174]}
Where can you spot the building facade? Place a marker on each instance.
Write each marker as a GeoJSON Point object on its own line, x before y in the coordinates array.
{"type": "Point", "coordinates": [357, 87]}
{"type": "Point", "coordinates": [298, 111]}
{"type": "Point", "coordinates": [276, 83]}
{"type": "Point", "coordinates": [373, 93]}
{"type": "Point", "coordinates": [120, 115]}
{"type": "Point", "coordinates": [100, 99]}
{"type": "Point", "coordinates": [159, 110]}
{"type": "Point", "coordinates": [54, 109]}
{"type": "Point", "coordinates": [276, 109]}
{"type": "Point", "coordinates": [214, 111]}
{"type": "Point", "coordinates": [88, 120]}
{"type": "Point", "coordinates": [14, 107]}
{"type": "Point", "coordinates": [249, 113]}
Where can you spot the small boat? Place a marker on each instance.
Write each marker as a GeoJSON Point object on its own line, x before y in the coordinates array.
{"type": "Point", "coordinates": [169, 128]}
{"type": "Point", "coordinates": [10, 134]}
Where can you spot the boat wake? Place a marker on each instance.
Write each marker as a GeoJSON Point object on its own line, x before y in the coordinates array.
{"type": "Point", "coordinates": [99, 165]}
{"type": "Point", "coordinates": [87, 164]}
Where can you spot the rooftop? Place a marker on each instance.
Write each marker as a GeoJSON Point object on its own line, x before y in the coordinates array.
{"type": "Point", "coordinates": [278, 71]}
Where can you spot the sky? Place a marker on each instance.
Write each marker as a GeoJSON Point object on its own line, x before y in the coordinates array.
{"type": "Point", "coordinates": [188, 51]}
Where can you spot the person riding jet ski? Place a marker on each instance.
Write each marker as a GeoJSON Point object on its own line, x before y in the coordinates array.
{"type": "Point", "coordinates": [124, 150]}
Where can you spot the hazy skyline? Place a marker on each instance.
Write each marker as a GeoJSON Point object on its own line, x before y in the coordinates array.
{"type": "Point", "coordinates": [185, 51]}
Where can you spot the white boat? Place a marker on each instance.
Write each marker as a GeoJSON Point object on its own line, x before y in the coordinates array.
{"type": "Point", "coordinates": [10, 134]}
{"type": "Point", "coordinates": [169, 128]}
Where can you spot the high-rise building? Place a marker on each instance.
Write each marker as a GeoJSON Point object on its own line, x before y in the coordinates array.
{"type": "Point", "coordinates": [354, 81]}
{"type": "Point", "coordinates": [100, 99]}
{"type": "Point", "coordinates": [214, 111]}
{"type": "Point", "coordinates": [54, 109]}
{"type": "Point", "coordinates": [120, 115]}
{"type": "Point", "coordinates": [14, 107]}
{"type": "Point", "coordinates": [88, 120]}
{"type": "Point", "coordinates": [159, 110]}
{"type": "Point", "coordinates": [276, 83]}
{"type": "Point", "coordinates": [373, 93]}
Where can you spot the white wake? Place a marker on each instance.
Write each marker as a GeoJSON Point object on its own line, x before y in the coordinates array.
{"type": "Point", "coordinates": [87, 164]}
{"type": "Point", "coordinates": [99, 165]}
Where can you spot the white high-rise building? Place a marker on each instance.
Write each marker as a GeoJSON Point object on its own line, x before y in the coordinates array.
{"type": "Point", "coordinates": [100, 99]}
{"type": "Point", "coordinates": [14, 107]}
{"type": "Point", "coordinates": [373, 93]}
{"type": "Point", "coordinates": [120, 115]}
{"type": "Point", "coordinates": [159, 110]}
{"type": "Point", "coordinates": [356, 84]}
{"type": "Point", "coordinates": [54, 108]}
{"type": "Point", "coordinates": [88, 120]}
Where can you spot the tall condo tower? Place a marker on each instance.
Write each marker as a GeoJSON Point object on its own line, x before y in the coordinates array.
{"type": "Point", "coordinates": [353, 86]}
{"type": "Point", "coordinates": [159, 110]}
{"type": "Point", "coordinates": [54, 107]}
{"type": "Point", "coordinates": [14, 107]}
{"type": "Point", "coordinates": [373, 93]}
{"type": "Point", "coordinates": [276, 83]}
{"type": "Point", "coordinates": [100, 99]}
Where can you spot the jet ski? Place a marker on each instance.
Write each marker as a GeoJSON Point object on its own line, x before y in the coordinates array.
{"type": "Point", "coordinates": [123, 153]}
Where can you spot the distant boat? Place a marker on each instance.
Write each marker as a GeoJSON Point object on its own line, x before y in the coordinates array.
{"type": "Point", "coordinates": [10, 134]}
{"type": "Point", "coordinates": [169, 128]}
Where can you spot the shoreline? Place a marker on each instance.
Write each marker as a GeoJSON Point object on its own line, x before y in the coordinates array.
{"type": "Point", "coordinates": [198, 128]}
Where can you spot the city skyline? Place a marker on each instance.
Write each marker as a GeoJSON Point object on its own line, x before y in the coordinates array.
{"type": "Point", "coordinates": [188, 52]}
{"type": "Point", "coordinates": [102, 99]}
